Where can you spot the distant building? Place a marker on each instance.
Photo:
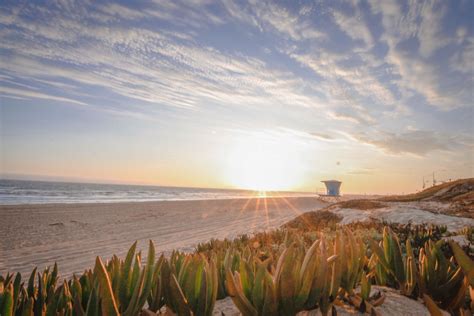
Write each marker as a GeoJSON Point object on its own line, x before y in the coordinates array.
{"type": "Point", "coordinates": [332, 187]}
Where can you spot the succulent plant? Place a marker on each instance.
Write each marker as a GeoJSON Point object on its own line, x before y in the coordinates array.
{"type": "Point", "coordinates": [391, 265]}
{"type": "Point", "coordinates": [190, 284]}
{"type": "Point", "coordinates": [276, 273]}
{"type": "Point", "coordinates": [441, 278]}
{"type": "Point", "coordinates": [252, 289]}
{"type": "Point", "coordinates": [433, 275]}
{"type": "Point", "coordinates": [418, 234]}
{"type": "Point", "coordinates": [10, 293]}
{"type": "Point", "coordinates": [301, 281]}
{"type": "Point", "coordinates": [365, 287]}
{"type": "Point", "coordinates": [468, 232]}
{"type": "Point", "coordinates": [464, 261]}
{"type": "Point", "coordinates": [84, 294]}
{"type": "Point", "coordinates": [225, 260]}
{"type": "Point", "coordinates": [352, 260]}
{"type": "Point", "coordinates": [6, 299]}
{"type": "Point", "coordinates": [37, 298]}
{"type": "Point", "coordinates": [118, 288]}
{"type": "Point", "coordinates": [155, 299]}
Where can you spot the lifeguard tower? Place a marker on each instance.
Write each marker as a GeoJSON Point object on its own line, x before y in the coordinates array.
{"type": "Point", "coordinates": [333, 188]}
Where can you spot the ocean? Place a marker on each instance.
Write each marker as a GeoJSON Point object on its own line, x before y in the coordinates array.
{"type": "Point", "coordinates": [13, 192]}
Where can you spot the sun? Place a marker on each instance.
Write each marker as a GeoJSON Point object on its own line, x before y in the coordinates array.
{"type": "Point", "coordinates": [263, 164]}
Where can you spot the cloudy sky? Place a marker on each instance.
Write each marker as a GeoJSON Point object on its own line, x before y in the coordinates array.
{"type": "Point", "coordinates": [277, 95]}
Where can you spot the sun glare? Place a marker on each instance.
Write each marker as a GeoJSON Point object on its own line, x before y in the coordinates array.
{"type": "Point", "coordinates": [264, 164]}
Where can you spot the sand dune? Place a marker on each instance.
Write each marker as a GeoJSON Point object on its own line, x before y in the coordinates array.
{"type": "Point", "coordinates": [402, 213]}
{"type": "Point", "coordinates": [73, 234]}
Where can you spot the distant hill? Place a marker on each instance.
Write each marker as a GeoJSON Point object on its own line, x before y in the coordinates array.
{"type": "Point", "coordinates": [455, 191]}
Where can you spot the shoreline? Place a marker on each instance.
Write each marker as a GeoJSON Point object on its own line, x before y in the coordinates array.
{"type": "Point", "coordinates": [4, 206]}
{"type": "Point", "coordinates": [94, 203]}
{"type": "Point", "coordinates": [74, 234]}
{"type": "Point", "coordinates": [152, 203]}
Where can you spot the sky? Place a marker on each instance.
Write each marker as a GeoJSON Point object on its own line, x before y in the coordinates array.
{"type": "Point", "coordinates": [238, 94]}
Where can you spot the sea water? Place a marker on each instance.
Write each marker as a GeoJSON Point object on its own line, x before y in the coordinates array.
{"type": "Point", "coordinates": [41, 192]}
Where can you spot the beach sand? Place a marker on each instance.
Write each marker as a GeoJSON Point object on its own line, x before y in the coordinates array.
{"type": "Point", "coordinates": [404, 213]}
{"type": "Point", "coordinates": [74, 234]}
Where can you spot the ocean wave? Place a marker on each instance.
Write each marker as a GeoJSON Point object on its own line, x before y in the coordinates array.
{"type": "Point", "coordinates": [40, 192]}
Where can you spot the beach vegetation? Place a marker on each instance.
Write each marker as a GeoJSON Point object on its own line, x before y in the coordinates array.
{"type": "Point", "coordinates": [283, 272]}
{"type": "Point", "coordinates": [190, 284]}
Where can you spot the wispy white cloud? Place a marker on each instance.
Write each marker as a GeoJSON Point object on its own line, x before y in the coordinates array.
{"type": "Point", "coordinates": [146, 66]}
{"type": "Point", "coordinates": [422, 77]}
{"type": "Point", "coordinates": [270, 16]}
{"type": "Point", "coordinates": [354, 115]}
{"type": "Point", "coordinates": [418, 143]}
{"type": "Point", "coordinates": [119, 11]}
{"type": "Point", "coordinates": [28, 94]}
{"type": "Point", "coordinates": [148, 56]}
{"type": "Point", "coordinates": [354, 26]}
{"type": "Point", "coordinates": [463, 60]}
{"type": "Point", "coordinates": [348, 89]}
{"type": "Point", "coordinates": [429, 34]}
{"type": "Point", "coordinates": [418, 74]}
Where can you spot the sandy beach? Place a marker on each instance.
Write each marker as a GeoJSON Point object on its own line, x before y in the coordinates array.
{"type": "Point", "coordinates": [74, 234]}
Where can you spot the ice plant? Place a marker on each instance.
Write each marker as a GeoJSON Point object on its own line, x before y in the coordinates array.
{"type": "Point", "coordinates": [352, 259]}
{"type": "Point", "coordinates": [190, 284]}
{"type": "Point", "coordinates": [225, 260]}
{"type": "Point", "coordinates": [252, 291]}
{"type": "Point", "coordinates": [441, 278]}
{"type": "Point", "coordinates": [464, 261]}
{"type": "Point", "coordinates": [391, 262]}
{"type": "Point", "coordinates": [6, 299]}
{"type": "Point", "coordinates": [118, 288]}
{"type": "Point", "coordinates": [302, 281]}
{"type": "Point", "coordinates": [264, 275]}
